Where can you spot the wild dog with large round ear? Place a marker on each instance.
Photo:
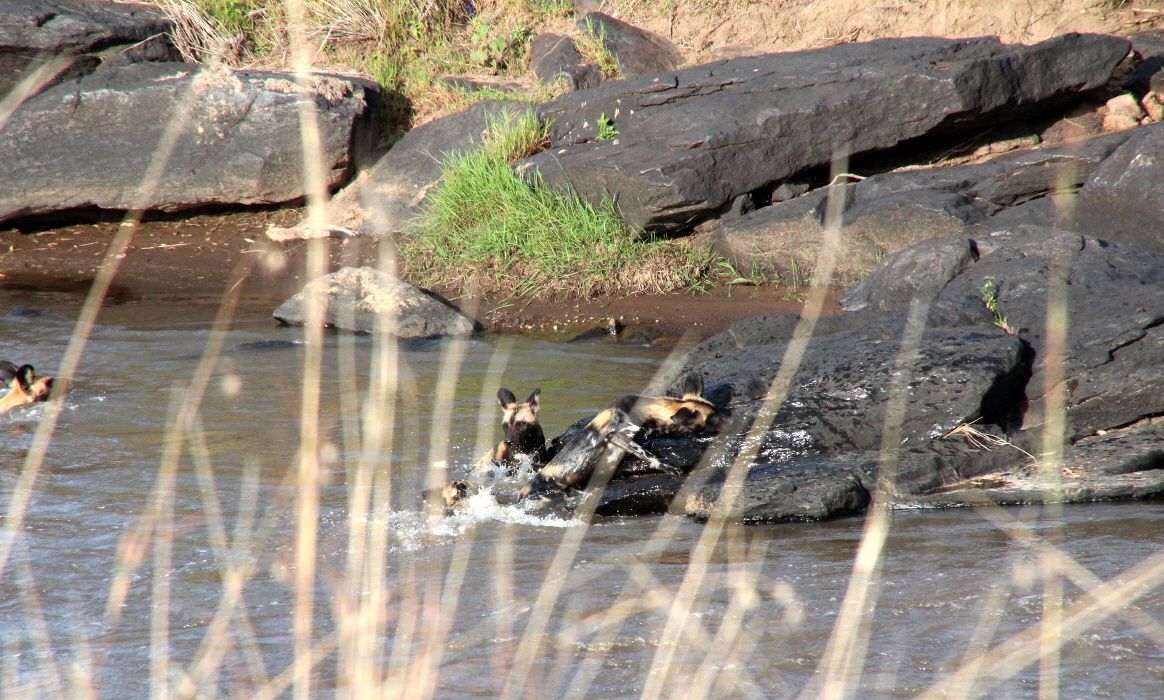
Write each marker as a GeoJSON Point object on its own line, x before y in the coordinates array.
{"type": "Point", "coordinates": [523, 433]}
{"type": "Point", "coordinates": [612, 432]}
{"type": "Point", "coordinates": [23, 386]}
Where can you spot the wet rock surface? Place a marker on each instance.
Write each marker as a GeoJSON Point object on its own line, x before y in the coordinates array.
{"type": "Point", "coordinates": [812, 488]}
{"type": "Point", "coordinates": [91, 142]}
{"type": "Point", "coordinates": [364, 300]}
{"type": "Point", "coordinates": [838, 397]}
{"type": "Point", "coordinates": [1111, 376]}
{"type": "Point", "coordinates": [1124, 464]}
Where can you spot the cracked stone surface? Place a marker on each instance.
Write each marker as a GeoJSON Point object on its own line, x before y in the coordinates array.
{"type": "Point", "coordinates": [1113, 359]}
{"type": "Point", "coordinates": [1124, 199]}
{"type": "Point", "coordinates": [692, 141]}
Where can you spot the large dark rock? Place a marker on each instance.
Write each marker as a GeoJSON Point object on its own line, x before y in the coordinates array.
{"type": "Point", "coordinates": [1124, 199]}
{"type": "Point", "coordinates": [838, 398]}
{"type": "Point", "coordinates": [788, 236]}
{"type": "Point", "coordinates": [1114, 357]}
{"type": "Point", "coordinates": [812, 488]}
{"type": "Point", "coordinates": [91, 142]}
{"type": "Point", "coordinates": [94, 35]}
{"type": "Point", "coordinates": [692, 141]}
{"type": "Point", "coordinates": [395, 191]}
{"type": "Point", "coordinates": [820, 486]}
{"type": "Point", "coordinates": [364, 300]}
{"type": "Point", "coordinates": [768, 329]}
{"type": "Point", "coordinates": [888, 212]}
{"type": "Point", "coordinates": [637, 51]}
{"type": "Point", "coordinates": [645, 495]}
{"type": "Point", "coordinates": [921, 272]}
{"type": "Point", "coordinates": [554, 58]}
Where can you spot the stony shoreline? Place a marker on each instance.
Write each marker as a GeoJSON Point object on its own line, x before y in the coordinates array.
{"type": "Point", "coordinates": [190, 260]}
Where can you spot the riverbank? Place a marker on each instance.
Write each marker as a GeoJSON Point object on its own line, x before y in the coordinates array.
{"type": "Point", "coordinates": [187, 264]}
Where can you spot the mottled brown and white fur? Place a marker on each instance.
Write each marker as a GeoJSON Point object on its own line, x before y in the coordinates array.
{"type": "Point", "coordinates": [612, 432]}
{"type": "Point", "coordinates": [23, 386]}
{"type": "Point", "coordinates": [523, 434]}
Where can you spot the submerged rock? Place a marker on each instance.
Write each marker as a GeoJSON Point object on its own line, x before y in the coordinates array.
{"type": "Point", "coordinates": [92, 142]}
{"type": "Point", "coordinates": [364, 300]}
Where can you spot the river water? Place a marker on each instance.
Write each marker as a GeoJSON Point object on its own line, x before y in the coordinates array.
{"type": "Point", "coordinates": [494, 602]}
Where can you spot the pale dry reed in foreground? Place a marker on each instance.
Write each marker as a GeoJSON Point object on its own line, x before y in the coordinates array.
{"type": "Point", "coordinates": [401, 657]}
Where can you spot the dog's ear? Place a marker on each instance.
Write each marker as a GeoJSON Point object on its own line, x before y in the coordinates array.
{"type": "Point", "coordinates": [692, 385]}
{"type": "Point", "coordinates": [7, 371]}
{"type": "Point", "coordinates": [684, 416]}
{"type": "Point", "coordinates": [26, 375]}
{"type": "Point", "coordinates": [533, 400]}
{"type": "Point", "coordinates": [505, 397]}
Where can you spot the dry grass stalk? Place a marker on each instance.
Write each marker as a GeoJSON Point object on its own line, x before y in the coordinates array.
{"type": "Point", "coordinates": [985, 441]}
{"type": "Point", "coordinates": [199, 37]}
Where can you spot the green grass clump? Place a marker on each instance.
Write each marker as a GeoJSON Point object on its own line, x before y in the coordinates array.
{"type": "Point", "coordinates": [488, 231]}
{"type": "Point", "coordinates": [592, 45]}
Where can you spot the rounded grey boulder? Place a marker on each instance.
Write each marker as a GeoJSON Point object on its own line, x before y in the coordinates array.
{"type": "Point", "coordinates": [365, 300]}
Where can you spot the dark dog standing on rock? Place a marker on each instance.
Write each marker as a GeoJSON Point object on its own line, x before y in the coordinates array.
{"type": "Point", "coordinates": [612, 433]}
{"type": "Point", "coordinates": [23, 386]}
{"type": "Point", "coordinates": [523, 434]}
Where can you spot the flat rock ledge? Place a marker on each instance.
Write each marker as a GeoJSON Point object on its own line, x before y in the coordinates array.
{"type": "Point", "coordinates": [691, 141]}
{"type": "Point", "coordinates": [365, 300]}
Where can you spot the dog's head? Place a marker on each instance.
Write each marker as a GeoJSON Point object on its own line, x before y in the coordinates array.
{"type": "Point", "coordinates": [22, 385]}
{"type": "Point", "coordinates": [518, 418]}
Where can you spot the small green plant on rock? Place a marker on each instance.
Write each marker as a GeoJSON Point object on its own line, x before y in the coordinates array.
{"type": "Point", "coordinates": [990, 299]}
{"type": "Point", "coordinates": [606, 130]}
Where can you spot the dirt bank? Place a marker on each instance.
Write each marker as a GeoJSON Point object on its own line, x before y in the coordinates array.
{"type": "Point", "coordinates": [184, 266]}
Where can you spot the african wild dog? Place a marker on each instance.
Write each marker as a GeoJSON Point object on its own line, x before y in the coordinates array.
{"type": "Point", "coordinates": [23, 386]}
{"type": "Point", "coordinates": [612, 432]}
{"type": "Point", "coordinates": [523, 433]}
{"type": "Point", "coordinates": [453, 495]}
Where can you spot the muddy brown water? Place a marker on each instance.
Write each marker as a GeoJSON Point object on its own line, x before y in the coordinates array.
{"type": "Point", "coordinates": [952, 583]}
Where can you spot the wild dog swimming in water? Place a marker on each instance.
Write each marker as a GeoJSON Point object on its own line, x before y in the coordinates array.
{"type": "Point", "coordinates": [453, 495]}
{"type": "Point", "coordinates": [611, 434]}
{"type": "Point", "coordinates": [523, 433]}
{"type": "Point", "coordinates": [23, 386]}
